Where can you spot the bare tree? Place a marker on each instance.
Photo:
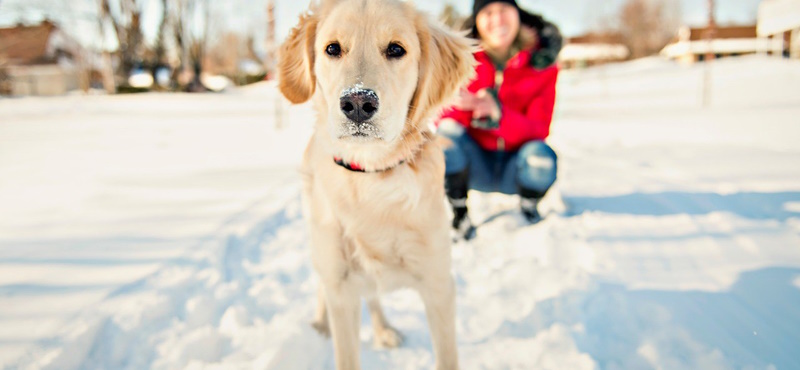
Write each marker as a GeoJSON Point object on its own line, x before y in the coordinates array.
{"type": "Point", "coordinates": [160, 47]}
{"type": "Point", "coordinates": [178, 44]}
{"type": "Point", "coordinates": [177, 32]}
{"type": "Point", "coordinates": [197, 46]}
{"type": "Point", "coordinates": [107, 70]}
{"type": "Point", "coordinates": [648, 25]}
{"type": "Point", "coordinates": [127, 25]}
{"type": "Point", "coordinates": [129, 32]}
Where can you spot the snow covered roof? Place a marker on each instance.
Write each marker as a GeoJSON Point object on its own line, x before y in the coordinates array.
{"type": "Point", "coordinates": [778, 16]}
{"type": "Point", "coordinates": [578, 52]}
{"type": "Point", "coordinates": [720, 46]}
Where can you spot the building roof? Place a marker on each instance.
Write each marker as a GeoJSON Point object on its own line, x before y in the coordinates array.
{"type": "Point", "coordinates": [26, 44]}
{"type": "Point", "coordinates": [597, 38]}
{"type": "Point", "coordinates": [724, 32]}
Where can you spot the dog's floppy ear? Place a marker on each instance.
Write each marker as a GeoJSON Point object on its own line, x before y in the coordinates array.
{"type": "Point", "coordinates": [446, 64]}
{"type": "Point", "coordinates": [296, 63]}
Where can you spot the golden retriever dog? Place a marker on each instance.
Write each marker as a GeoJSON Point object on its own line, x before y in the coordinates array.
{"type": "Point", "coordinates": [376, 71]}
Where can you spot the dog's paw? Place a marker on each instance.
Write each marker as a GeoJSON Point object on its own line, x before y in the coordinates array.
{"type": "Point", "coordinates": [387, 338]}
{"type": "Point", "coordinates": [322, 328]}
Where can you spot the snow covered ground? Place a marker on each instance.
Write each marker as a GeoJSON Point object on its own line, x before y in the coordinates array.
{"type": "Point", "coordinates": [134, 235]}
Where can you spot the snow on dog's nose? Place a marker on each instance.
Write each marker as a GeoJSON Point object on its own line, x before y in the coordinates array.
{"type": "Point", "coordinates": [359, 105]}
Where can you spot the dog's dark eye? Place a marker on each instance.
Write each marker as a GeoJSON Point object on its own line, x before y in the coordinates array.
{"type": "Point", "coordinates": [395, 51]}
{"type": "Point", "coordinates": [334, 50]}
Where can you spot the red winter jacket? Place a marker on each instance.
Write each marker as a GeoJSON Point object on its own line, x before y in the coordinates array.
{"type": "Point", "coordinates": [527, 97]}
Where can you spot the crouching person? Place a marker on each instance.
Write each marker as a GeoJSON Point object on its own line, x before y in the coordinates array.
{"type": "Point", "coordinates": [497, 126]}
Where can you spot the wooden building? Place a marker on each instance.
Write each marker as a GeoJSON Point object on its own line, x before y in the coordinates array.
{"type": "Point", "coordinates": [38, 60]}
{"type": "Point", "coordinates": [692, 44]}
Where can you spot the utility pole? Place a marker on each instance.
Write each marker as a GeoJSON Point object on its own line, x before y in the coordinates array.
{"type": "Point", "coordinates": [710, 33]}
{"type": "Point", "coordinates": [271, 61]}
{"type": "Point", "coordinates": [107, 69]}
{"type": "Point", "coordinates": [270, 43]}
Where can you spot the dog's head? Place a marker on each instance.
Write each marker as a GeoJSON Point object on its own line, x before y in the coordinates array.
{"type": "Point", "coordinates": [377, 68]}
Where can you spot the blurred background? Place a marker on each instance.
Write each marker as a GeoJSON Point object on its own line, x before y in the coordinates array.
{"type": "Point", "coordinates": [150, 210]}
{"type": "Point", "coordinates": [190, 45]}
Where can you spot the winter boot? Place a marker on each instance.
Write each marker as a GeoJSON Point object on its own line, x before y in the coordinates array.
{"type": "Point", "coordinates": [529, 202]}
{"type": "Point", "coordinates": [456, 186]}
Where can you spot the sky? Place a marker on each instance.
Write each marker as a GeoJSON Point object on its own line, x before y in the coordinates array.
{"type": "Point", "coordinates": [248, 16]}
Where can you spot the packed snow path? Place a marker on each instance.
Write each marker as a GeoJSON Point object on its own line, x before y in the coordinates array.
{"type": "Point", "coordinates": [133, 235]}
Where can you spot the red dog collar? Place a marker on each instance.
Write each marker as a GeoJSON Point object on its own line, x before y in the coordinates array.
{"type": "Point", "coordinates": [355, 167]}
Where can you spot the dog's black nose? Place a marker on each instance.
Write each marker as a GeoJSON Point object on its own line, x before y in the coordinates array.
{"type": "Point", "coordinates": [359, 105]}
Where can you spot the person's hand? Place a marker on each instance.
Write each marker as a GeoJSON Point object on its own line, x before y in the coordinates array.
{"type": "Point", "coordinates": [484, 105]}
{"type": "Point", "coordinates": [465, 100]}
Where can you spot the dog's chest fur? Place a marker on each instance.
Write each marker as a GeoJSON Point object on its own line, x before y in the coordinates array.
{"type": "Point", "coordinates": [390, 222]}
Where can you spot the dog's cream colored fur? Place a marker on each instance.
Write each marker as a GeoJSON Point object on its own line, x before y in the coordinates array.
{"type": "Point", "coordinates": [374, 232]}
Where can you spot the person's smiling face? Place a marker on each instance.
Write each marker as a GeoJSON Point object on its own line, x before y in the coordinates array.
{"type": "Point", "coordinates": [498, 25]}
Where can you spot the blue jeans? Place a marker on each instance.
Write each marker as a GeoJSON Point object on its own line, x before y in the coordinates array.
{"type": "Point", "coordinates": [533, 167]}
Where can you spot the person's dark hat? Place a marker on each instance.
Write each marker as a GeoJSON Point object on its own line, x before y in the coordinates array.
{"type": "Point", "coordinates": [480, 4]}
{"type": "Point", "coordinates": [526, 18]}
{"type": "Point", "coordinates": [531, 20]}
{"type": "Point", "coordinates": [550, 40]}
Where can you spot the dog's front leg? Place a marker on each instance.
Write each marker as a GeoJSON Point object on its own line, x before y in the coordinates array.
{"type": "Point", "coordinates": [438, 293]}
{"type": "Point", "coordinates": [385, 335]}
{"type": "Point", "coordinates": [320, 323]}
{"type": "Point", "coordinates": [344, 318]}
{"type": "Point", "coordinates": [341, 296]}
